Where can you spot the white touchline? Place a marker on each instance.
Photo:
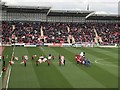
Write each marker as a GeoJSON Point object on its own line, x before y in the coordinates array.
{"type": "Point", "coordinates": [10, 70]}
{"type": "Point", "coordinates": [8, 78]}
{"type": "Point", "coordinates": [1, 74]}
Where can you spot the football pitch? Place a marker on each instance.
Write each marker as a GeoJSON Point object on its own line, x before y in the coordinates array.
{"type": "Point", "coordinates": [102, 73]}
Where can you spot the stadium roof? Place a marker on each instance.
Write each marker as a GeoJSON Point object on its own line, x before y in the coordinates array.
{"type": "Point", "coordinates": [26, 9]}
{"type": "Point", "coordinates": [91, 15]}
{"type": "Point", "coordinates": [104, 17]}
{"type": "Point", "coordinates": [69, 13]}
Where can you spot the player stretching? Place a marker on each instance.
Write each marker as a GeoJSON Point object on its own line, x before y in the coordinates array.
{"type": "Point", "coordinates": [33, 57]}
{"type": "Point", "coordinates": [37, 62]}
{"type": "Point", "coordinates": [25, 62]}
{"type": "Point", "coordinates": [48, 61]}
{"type": "Point", "coordinates": [53, 57]}
{"type": "Point", "coordinates": [22, 57]}
{"type": "Point", "coordinates": [59, 56]}
{"type": "Point", "coordinates": [62, 60]}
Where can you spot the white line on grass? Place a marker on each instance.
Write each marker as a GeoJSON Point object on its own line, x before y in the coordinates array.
{"type": "Point", "coordinates": [10, 70]}
{"type": "Point", "coordinates": [1, 68]}
{"type": "Point", "coordinates": [42, 49]}
{"type": "Point", "coordinates": [8, 78]}
{"type": "Point", "coordinates": [1, 74]}
{"type": "Point", "coordinates": [107, 64]}
{"type": "Point", "coordinates": [7, 56]}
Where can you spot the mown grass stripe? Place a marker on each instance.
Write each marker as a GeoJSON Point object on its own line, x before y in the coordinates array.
{"type": "Point", "coordinates": [107, 53]}
{"type": "Point", "coordinates": [23, 77]}
{"type": "Point", "coordinates": [88, 77]}
{"type": "Point", "coordinates": [49, 76]}
{"type": "Point", "coordinates": [111, 50]}
{"type": "Point", "coordinates": [76, 76]}
{"type": "Point", "coordinates": [7, 52]}
{"type": "Point", "coordinates": [9, 68]}
{"type": "Point", "coordinates": [96, 72]}
{"type": "Point", "coordinates": [111, 68]}
{"type": "Point", "coordinates": [99, 54]}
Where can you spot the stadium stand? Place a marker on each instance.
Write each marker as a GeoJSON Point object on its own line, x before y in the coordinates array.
{"type": "Point", "coordinates": [30, 32]}
{"type": "Point", "coordinates": [36, 25]}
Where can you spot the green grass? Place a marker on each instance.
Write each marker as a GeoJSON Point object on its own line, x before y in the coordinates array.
{"type": "Point", "coordinates": [103, 74]}
{"type": "Point", "coordinates": [0, 74]}
{"type": "Point", "coordinates": [7, 52]}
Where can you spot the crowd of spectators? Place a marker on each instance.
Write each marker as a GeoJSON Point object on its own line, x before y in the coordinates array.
{"type": "Point", "coordinates": [109, 33]}
{"type": "Point", "coordinates": [21, 32]}
{"type": "Point", "coordinates": [55, 32]}
{"type": "Point", "coordinates": [82, 32]}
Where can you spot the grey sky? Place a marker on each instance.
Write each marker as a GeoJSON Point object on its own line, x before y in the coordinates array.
{"type": "Point", "coordinates": [101, 6]}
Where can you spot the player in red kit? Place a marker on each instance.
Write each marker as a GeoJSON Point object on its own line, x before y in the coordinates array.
{"type": "Point", "coordinates": [33, 57]}
{"type": "Point", "coordinates": [25, 62]}
{"type": "Point", "coordinates": [11, 62]}
{"type": "Point", "coordinates": [22, 57]}
{"type": "Point", "coordinates": [59, 62]}
{"type": "Point", "coordinates": [37, 63]}
{"type": "Point", "coordinates": [77, 57]}
{"type": "Point", "coordinates": [48, 61]}
{"type": "Point", "coordinates": [59, 56]}
{"type": "Point", "coordinates": [13, 57]}
{"type": "Point", "coordinates": [4, 69]}
{"type": "Point", "coordinates": [53, 57]}
{"type": "Point", "coordinates": [3, 57]}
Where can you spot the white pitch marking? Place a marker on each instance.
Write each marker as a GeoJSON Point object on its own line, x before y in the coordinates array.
{"type": "Point", "coordinates": [42, 49]}
{"type": "Point", "coordinates": [10, 70]}
{"type": "Point", "coordinates": [108, 64]}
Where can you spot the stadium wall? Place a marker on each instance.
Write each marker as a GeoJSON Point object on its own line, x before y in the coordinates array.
{"type": "Point", "coordinates": [11, 16]}
{"type": "Point", "coordinates": [64, 19]}
{"type": "Point", "coordinates": [23, 16]}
